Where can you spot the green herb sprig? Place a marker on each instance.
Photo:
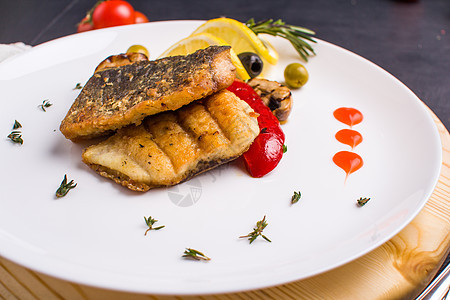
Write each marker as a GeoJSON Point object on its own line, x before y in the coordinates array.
{"type": "Point", "coordinates": [296, 35]}
{"type": "Point", "coordinates": [65, 187]}
{"type": "Point", "coordinates": [16, 135]}
{"type": "Point", "coordinates": [362, 201]}
{"type": "Point", "coordinates": [150, 221]}
{"type": "Point", "coordinates": [45, 104]}
{"type": "Point", "coordinates": [257, 231]}
{"type": "Point", "coordinates": [296, 197]}
{"type": "Point", "coordinates": [195, 255]}
{"type": "Point", "coordinates": [78, 86]}
{"type": "Point", "coordinates": [17, 125]}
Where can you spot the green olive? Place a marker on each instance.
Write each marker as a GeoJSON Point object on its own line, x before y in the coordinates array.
{"type": "Point", "coordinates": [296, 75]}
{"type": "Point", "coordinates": [138, 49]}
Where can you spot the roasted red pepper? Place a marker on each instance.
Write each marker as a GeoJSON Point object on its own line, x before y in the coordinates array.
{"type": "Point", "coordinates": [266, 151]}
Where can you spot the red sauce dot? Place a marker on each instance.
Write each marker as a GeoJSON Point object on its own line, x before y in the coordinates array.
{"type": "Point", "coordinates": [349, 137]}
{"type": "Point", "coordinates": [348, 115]}
{"type": "Point", "coordinates": [348, 161]}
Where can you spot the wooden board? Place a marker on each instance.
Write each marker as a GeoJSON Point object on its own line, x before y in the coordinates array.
{"type": "Point", "coordinates": [399, 269]}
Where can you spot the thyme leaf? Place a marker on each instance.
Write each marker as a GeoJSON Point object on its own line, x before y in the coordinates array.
{"type": "Point", "coordinates": [195, 254]}
{"type": "Point", "coordinates": [362, 201]}
{"type": "Point", "coordinates": [65, 187]}
{"type": "Point", "coordinates": [257, 231]}
{"type": "Point", "coordinates": [17, 125]}
{"type": "Point", "coordinates": [45, 104]}
{"type": "Point", "coordinates": [150, 221]}
{"type": "Point", "coordinates": [78, 86]}
{"type": "Point", "coordinates": [296, 197]}
{"type": "Point", "coordinates": [16, 137]}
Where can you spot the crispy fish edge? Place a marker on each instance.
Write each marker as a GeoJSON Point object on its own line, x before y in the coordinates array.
{"type": "Point", "coordinates": [85, 119]}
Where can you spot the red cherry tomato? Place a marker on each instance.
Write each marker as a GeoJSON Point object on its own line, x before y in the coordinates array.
{"type": "Point", "coordinates": [113, 13]}
{"type": "Point", "coordinates": [140, 17]}
{"type": "Point", "coordinates": [266, 150]}
{"type": "Point", "coordinates": [85, 25]}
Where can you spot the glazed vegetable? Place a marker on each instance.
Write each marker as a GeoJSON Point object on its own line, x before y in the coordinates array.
{"type": "Point", "coordinates": [267, 149]}
{"type": "Point", "coordinates": [252, 63]}
{"type": "Point", "coordinates": [296, 75]}
{"type": "Point", "coordinates": [275, 96]}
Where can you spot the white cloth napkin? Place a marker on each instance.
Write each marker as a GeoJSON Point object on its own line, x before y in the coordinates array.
{"type": "Point", "coordinates": [8, 50]}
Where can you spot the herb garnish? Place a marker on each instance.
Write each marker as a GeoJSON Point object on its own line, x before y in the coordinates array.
{"type": "Point", "coordinates": [17, 125]}
{"type": "Point", "coordinates": [45, 104]}
{"type": "Point", "coordinates": [150, 221]}
{"type": "Point", "coordinates": [257, 231]}
{"type": "Point", "coordinates": [362, 201]}
{"type": "Point", "coordinates": [195, 254]}
{"type": "Point", "coordinates": [284, 148]}
{"type": "Point", "coordinates": [78, 86]}
{"type": "Point", "coordinates": [294, 34]}
{"type": "Point", "coordinates": [296, 197]}
{"type": "Point", "coordinates": [15, 135]}
{"type": "Point", "coordinates": [65, 187]}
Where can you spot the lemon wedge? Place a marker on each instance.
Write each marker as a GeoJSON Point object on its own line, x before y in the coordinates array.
{"type": "Point", "coordinates": [198, 41]}
{"type": "Point", "coordinates": [239, 36]}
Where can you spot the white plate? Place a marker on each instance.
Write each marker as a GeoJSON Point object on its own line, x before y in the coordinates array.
{"type": "Point", "coordinates": [95, 235]}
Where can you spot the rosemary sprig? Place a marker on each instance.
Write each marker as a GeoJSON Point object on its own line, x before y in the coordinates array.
{"type": "Point", "coordinates": [150, 221]}
{"type": "Point", "coordinates": [296, 35]}
{"type": "Point", "coordinates": [296, 197]}
{"type": "Point", "coordinates": [362, 201]}
{"type": "Point", "coordinates": [257, 231]}
{"type": "Point", "coordinates": [78, 86]}
{"type": "Point", "coordinates": [45, 104]}
{"type": "Point", "coordinates": [195, 254]}
{"type": "Point", "coordinates": [65, 187]}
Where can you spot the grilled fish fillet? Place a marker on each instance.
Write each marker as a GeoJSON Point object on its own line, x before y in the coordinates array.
{"type": "Point", "coordinates": [171, 147]}
{"type": "Point", "coordinates": [114, 98]}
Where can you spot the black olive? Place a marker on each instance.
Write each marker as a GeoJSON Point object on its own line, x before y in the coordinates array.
{"type": "Point", "coordinates": [252, 63]}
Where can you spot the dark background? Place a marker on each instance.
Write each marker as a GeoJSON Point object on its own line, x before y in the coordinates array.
{"type": "Point", "coordinates": [409, 39]}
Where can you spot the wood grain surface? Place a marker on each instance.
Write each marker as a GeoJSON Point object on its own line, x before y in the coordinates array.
{"type": "Point", "coordinates": [399, 269]}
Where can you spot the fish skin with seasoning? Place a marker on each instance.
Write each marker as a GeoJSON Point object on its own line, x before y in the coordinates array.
{"type": "Point", "coordinates": [174, 146]}
{"type": "Point", "coordinates": [117, 97]}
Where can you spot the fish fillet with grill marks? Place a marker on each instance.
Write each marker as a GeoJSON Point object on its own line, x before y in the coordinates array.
{"type": "Point", "coordinates": [171, 147]}
{"type": "Point", "coordinates": [114, 98]}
